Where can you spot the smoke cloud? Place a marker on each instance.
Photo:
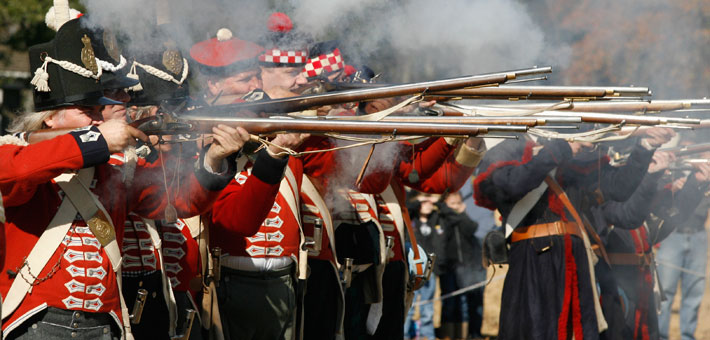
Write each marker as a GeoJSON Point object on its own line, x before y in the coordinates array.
{"type": "Point", "coordinates": [407, 40]}
{"type": "Point", "coordinates": [419, 39]}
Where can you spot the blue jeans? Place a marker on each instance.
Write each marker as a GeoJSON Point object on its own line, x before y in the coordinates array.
{"type": "Point", "coordinates": [426, 312]}
{"type": "Point", "coordinates": [688, 251]}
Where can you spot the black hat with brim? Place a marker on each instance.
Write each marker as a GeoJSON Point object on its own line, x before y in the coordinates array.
{"type": "Point", "coordinates": [107, 48]}
{"type": "Point", "coordinates": [156, 90]}
{"type": "Point", "coordinates": [66, 88]}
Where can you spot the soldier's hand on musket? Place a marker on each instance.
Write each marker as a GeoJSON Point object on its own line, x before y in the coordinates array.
{"type": "Point", "coordinates": [226, 140]}
{"type": "Point", "coordinates": [661, 160]}
{"type": "Point", "coordinates": [678, 184]}
{"type": "Point", "coordinates": [476, 143]}
{"type": "Point", "coordinates": [285, 141]}
{"type": "Point", "coordinates": [118, 134]}
{"type": "Point", "coordinates": [385, 103]}
{"type": "Point", "coordinates": [378, 105]}
{"type": "Point", "coordinates": [703, 172]}
{"type": "Point", "coordinates": [658, 136]}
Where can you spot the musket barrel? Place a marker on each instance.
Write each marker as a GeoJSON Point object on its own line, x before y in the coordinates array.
{"type": "Point", "coordinates": [551, 119]}
{"type": "Point", "coordinates": [532, 71]}
{"type": "Point", "coordinates": [688, 149]}
{"type": "Point", "coordinates": [545, 92]}
{"type": "Point", "coordinates": [616, 106]}
{"type": "Point", "coordinates": [201, 124]}
{"type": "Point", "coordinates": [608, 118]}
{"type": "Point", "coordinates": [588, 117]}
{"type": "Point", "coordinates": [299, 103]}
{"type": "Point", "coordinates": [464, 120]}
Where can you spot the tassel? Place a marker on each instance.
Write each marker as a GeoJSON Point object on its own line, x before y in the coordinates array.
{"type": "Point", "coordinates": [129, 166]}
{"type": "Point", "coordinates": [41, 78]}
{"type": "Point", "coordinates": [133, 75]}
{"type": "Point", "coordinates": [170, 214]}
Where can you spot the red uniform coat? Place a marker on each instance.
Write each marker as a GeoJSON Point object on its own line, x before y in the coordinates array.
{"type": "Point", "coordinates": [242, 208]}
{"type": "Point", "coordinates": [278, 233]}
{"type": "Point", "coordinates": [79, 275]}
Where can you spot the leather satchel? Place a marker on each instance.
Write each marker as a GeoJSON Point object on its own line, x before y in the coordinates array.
{"type": "Point", "coordinates": [495, 248]}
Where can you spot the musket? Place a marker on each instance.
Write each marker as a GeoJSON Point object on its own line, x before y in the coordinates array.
{"type": "Point", "coordinates": [163, 124]}
{"type": "Point", "coordinates": [517, 92]}
{"type": "Point", "coordinates": [527, 121]}
{"type": "Point", "coordinates": [616, 106]}
{"type": "Point", "coordinates": [680, 151]}
{"type": "Point", "coordinates": [543, 93]}
{"type": "Point", "coordinates": [687, 164]}
{"type": "Point", "coordinates": [304, 102]}
{"type": "Point", "coordinates": [585, 116]}
{"type": "Point", "coordinates": [612, 118]}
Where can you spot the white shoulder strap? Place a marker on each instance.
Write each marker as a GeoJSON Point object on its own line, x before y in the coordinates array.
{"type": "Point", "coordinates": [370, 198]}
{"type": "Point", "coordinates": [194, 224]}
{"type": "Point", "coordinates": [310, 190]}
{"type": "Point", "coordinates": [91, 210]}
{"type": "Point", "coordinates": [101, 225]}
{"type": "Point", "coordinates": [43, 250]}
{"type": "Point", "coordinates": [393, 205]}
{"type": "Point", "coordinates": [289, 190]}
{"type": "Point", "coordinates": [523, 207]}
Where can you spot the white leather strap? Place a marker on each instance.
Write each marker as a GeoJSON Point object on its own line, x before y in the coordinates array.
{"type": "Point", "coordinates": [39, 256]}
{"type": "Point", "coordinates": [310, 190]}
{"type": "Point", "coordinates": [393, 205]}
{"type": "Point", "coordinates": [127, 334]}
{"type": "Point", "coordinates": [523, 207]}
{"type": "Point", "coordinates": [193, 223]}
{"type": "Point", "coordinates": [289, 190]}
{"type": "Point", "coordinates": [89, 206]}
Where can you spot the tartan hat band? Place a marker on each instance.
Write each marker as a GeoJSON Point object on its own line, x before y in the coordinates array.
{"type": "Point", "coordinates": [324, 63]}
{"type": "Point", "coordinates": [283, 57]}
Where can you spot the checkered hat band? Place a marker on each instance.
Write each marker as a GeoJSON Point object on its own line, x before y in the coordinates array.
{"type": "Point", "coordinates": [283, 57]}
{"type": "Point", "coordinates": [328, 63]}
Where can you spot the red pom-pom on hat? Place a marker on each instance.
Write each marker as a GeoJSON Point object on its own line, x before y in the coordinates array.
{"type": "Point", "coordinates": [279, 22]}
{"type": "Point", "coordinates": [349, 70]}
{"type": "Point", "coordinates": [224, 50]}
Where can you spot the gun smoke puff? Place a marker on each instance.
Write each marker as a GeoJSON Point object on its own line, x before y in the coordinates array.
{"type": "Point", "coordinates": [421, 39]}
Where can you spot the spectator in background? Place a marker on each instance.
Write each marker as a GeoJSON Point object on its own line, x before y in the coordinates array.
{"type": "Point", "coordinates": [483, 216]}
{"type": "Point", "coordinates": [460, 267]}
{"type": "Point", "coordinates": [425, 220]}
{"type": "Point", "coordinates": [469, 268]}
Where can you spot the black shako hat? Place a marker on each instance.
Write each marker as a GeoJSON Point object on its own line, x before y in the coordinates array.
{"type": "Point", "coordinates": [162, 71]}
{"type": "Point", "coordinates": [109, 55]}
{"type": "Point", "coordinates": [67, 71]}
